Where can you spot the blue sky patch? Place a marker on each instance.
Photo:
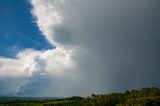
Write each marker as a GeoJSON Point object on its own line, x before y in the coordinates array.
{"type": "Point", "coordinates": [17, 28]}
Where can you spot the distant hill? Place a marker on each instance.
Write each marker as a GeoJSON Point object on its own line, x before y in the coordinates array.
{"type": "Point", "coordinates": [4, 98]}
{"type": "Point", "coordinates": [143, 97]}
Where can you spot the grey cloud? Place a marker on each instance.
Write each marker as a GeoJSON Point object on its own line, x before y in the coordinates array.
{"type": "Point", "coordinates": [62, 34]}
{"type": "Point", "coordinates": [10, 86]}
{"type": "Point", "coordinates": [122, 40]}
{"type": "Point", "coordinates": [39, 85]}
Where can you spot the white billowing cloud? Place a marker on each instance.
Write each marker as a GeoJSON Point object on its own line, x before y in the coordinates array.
{"type": "Point", "coordinates": [45, 61]}
{"type": "Point", "coordinates": [45, 9]}
{"type": "Point", "coordinates": [31, 61]}
{"type": "Point", "coordinates": [33, 66]}
{"type": "Point", "coordinates": [10, 68]}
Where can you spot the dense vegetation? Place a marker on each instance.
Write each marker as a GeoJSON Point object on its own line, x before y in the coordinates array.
{"type": "Point", "coordinates": [143, 97]}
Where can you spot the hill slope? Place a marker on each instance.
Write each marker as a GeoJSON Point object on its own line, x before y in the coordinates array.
{"type": "Point", "coordinates": [143, 97]}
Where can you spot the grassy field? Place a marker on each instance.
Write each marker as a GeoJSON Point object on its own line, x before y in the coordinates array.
{"type": "Point", "coordinates": [143, 97]}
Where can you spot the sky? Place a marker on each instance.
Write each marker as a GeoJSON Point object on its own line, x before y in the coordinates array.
{"type": "Point", "coordinates": [78, 47]}
{"type": "Point", "coordinates": [18, 29]}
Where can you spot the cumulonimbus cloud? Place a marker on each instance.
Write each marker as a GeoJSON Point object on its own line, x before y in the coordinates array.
{"type": "Point", "coordinates": [102, 46]}
{"type": "Point", "coordinates": [30, 65]}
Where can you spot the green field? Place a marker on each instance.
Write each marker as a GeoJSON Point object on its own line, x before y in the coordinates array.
{"type": "Point", "coordinates": [143, 97]}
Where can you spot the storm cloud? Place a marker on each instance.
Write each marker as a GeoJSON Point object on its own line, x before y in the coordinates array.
{"type": "Point", "coordinates": [118, 41]}
{"type": "Point", "coordinates": [102, 46]}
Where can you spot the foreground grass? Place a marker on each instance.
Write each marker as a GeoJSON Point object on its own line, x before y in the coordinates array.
{"type": "Point", "coordinates": [143, 97]}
